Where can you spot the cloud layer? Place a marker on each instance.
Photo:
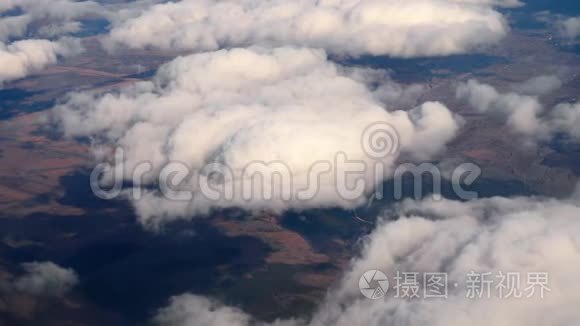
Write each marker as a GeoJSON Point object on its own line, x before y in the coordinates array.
{"type": "Point", "coordinates": [343, 27]}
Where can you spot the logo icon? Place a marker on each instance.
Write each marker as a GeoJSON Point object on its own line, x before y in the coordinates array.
{"type": "Point", "coordinates": [374, 284]}
{"type": "Point", "coordinates": [380, 140]}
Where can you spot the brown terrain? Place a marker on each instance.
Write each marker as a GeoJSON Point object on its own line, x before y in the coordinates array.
{"type": "Point", "coordinates": [31, 166]}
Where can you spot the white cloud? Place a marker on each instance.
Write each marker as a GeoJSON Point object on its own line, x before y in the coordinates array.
{"type": "Point", "coordinates": [563, 26]}
{"type": "Point", "coordinates": [240, 106]}
{"type": "Point", "coordinates": [57, 29]}
{"type": "Point", "coordinates": [491, 235]}
{"type": "Point", "coordinates": [344, 27]}
{"type": "Point", "coordinates": [384, 89]}
{"type": "Point", "coordinates": [519, 235]}
{"type": "Point", "coordinates": [524, 114]}
{"type": "Point", "coordinates": [19, 59]}
{"type": "Point", "coordinates": [206, 312]}
{"type": "Point", "coordinates": [520, 112]}
{"type": "Point", "coordinates": [45, 279]}
{"type": "Point", "coordinates": [540, 85]}
{"type": "Point", "coordinates": [13, 26]}
{"type": "Point", "coordinates": [569, 27]}
{"type": "Point", "coordinates": [22, 47]}
{"type": "Point", "coordinates": [565, 118]}
{"type": "Point", "coordinates": [49, 13]}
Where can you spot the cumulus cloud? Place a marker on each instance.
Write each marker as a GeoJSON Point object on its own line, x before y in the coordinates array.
{"type": "Point", "coordinates": [497, 235]}
{"type": "Point", "coordinates": [235, 107]}
{"type": "Point", "coordinates": [384, 89]}
{"type": "Point", "coordinates": [207, 312]}
{"type": "Point", "coordinates": [45, 279]}
{"type": "Point", "coordinates": [13, 27]}
{"type": "Point", "coordinates": [564, 27]}
{"type": "Point", "coordinates": [492, 235]}
{"type": "Point", "coordinates": [23, 47]}
{"type": "Point", "coordinates": [395, 28]}
{"type": "Point", "coordinates": [520, 112]}
{"type": "Point", "coordinates": [540, 85]}
{"type": "Point", "coordinates": [19, 59]}
{"type": "Point", "coordinates": [565, 118]}
{"type": "Point", "coordinates": [524, 114]}
{"type": "Point", "coordinates": [569, 27]}
{"type": "Point", "coordinates": [59, 15]}
{"type": "Point", "coordinates": [500, 3]}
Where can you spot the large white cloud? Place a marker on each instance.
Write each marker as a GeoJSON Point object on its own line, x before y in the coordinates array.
{"type": "Point", "coordinates": [352, 27]}
{"type": "Point", "coordinates": [517, 236]}
{"type": "Point", "coordinates": [239, 106]}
